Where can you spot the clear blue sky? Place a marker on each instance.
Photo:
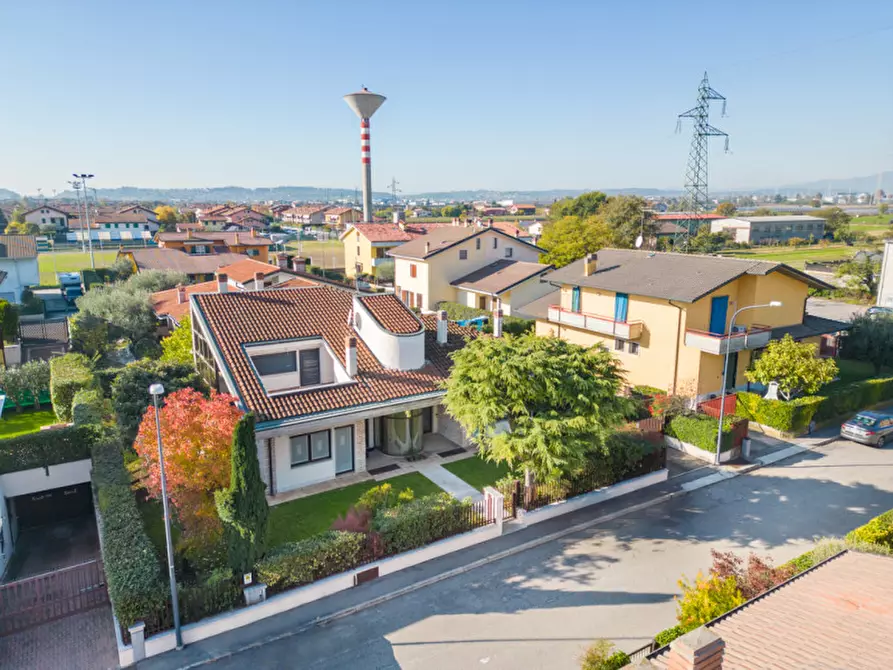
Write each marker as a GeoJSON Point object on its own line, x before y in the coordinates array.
{"type": "Point", "coordinates": [527, 95]}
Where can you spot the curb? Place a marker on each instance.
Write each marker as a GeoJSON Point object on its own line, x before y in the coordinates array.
{"type": "Point", "coordinates": [694, 485]}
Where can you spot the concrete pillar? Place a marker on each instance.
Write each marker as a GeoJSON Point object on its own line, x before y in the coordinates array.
{"type": "Point", "coordinates": [698, 650]}
{"type": "Point", "coordinates": [138, 641]}
{"type": "Point", "coordinates": [494, 504]}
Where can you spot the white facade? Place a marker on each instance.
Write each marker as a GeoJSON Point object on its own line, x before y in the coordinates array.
{"type": "Point", "coordinates": [48, 216]}
{"type": "Point", "coordinates": [394, 351]}
{"type": "Point", "coordinates": [20, 272]}
{"type": "Point", "coordinates": [885, 286]}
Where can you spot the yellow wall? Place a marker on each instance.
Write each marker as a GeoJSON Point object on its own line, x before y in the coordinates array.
{"type": "Point", "coordinates": [351, 239]}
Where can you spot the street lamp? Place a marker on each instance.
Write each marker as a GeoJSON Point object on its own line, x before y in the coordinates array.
{"type": "Point", "coordinates": [157, 390]}
{"type": "Point", "coordinates": [725, 369]}
{"type": "Point", "coordinates": [84, 178]}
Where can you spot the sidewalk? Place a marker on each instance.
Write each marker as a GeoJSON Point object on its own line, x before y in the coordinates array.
{"type": "Point", "coordinates": [450, 483]}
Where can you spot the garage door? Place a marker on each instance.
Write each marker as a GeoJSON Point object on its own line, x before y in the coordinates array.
{"type": "Point", "coordinates": [38, 509]}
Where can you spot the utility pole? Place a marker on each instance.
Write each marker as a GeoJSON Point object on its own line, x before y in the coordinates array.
{"type": "Point", "coordinates": [394, 190]}
{"type": "Point", "coordinates": [76, 185]}
{"type": "Point", "coordinates": [84, 177]}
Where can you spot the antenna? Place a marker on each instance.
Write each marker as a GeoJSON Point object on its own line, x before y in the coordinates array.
{"type": "Point", "coordinates": [696, 201]}
{"type": "Point", "coordinates": [394, 190]}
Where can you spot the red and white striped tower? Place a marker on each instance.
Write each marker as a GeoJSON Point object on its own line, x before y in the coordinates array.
{"type": "Point", "coordinates": [365, 104]}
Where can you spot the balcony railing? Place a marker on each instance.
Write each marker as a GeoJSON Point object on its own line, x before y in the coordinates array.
{"type": "Point", "coordinates": [382, 260]}
{"type": "Point", "coordinates": [754, 337]}
{"type": "Point", "coordinates": [626, 330]}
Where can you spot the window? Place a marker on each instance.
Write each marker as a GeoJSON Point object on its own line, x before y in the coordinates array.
{"type": "Point", "coordinates": [634, 348]}
{"type": "Point", "coordinates": [275, 364]}
{"type": "Point", "coordinates": [508, 252]}
{"type": "Point", "coordinates": [43, 220]}
{"type": "Point", "coordinates": [413, 270]}
{"type": "Point", "coordinates": [575, 299]}
{"type": "Point", "coordinates": [463, 255]}
{"type": "Point", "coordinates": [310, 367]}
{"type": "Point", "coordinates": [495, 242]}
{"type": "Point", "coordinates": [310, 448]}
{"type": "Point", "coordinates": [418, 300]}
{"type": "Point", "coordinates": [200, 249]}
{"type": "Point", "coordinates": [477, 244]}
{"type": "Point", "coordinates": [252, 252]}
{"type": "Point", "coordinates": [619, 345]}
{"type": "Point", "coordinates": [405, 296]}
{"type": "Point", "coordinates": [358, 250]}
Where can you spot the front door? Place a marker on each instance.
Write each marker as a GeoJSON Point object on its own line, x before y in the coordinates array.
{"type": "Point", "coordinates": [575, 299]}
{"type": "Point", "coordinates": [732, 372]}
{"type": "Point", "coordinates": [719, 307]}
{"type": "Point", "coordinates": [482, 302]}
{"type": "Point", "coordinates": [343, 449]}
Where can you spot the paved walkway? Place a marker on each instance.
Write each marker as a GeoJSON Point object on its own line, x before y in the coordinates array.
{"type": "Point", "coordinates": [449, 482]}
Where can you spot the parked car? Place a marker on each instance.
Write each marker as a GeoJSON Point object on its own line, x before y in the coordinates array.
{"type": "Point", "coordinates": [872, 428]}
{"type": "Point", "coordinates": [878, 310]}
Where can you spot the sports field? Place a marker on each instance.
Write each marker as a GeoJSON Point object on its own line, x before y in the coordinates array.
{"type": "Point", "coordinates": [70, 261]}
{"type": "Point", "coordinates": [797, 256]}
{"type": "Point", "coordinates": [328, 255]}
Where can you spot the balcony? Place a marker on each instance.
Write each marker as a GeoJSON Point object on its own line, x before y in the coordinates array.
{"type": "Point", "coordinates": [754, 337]}
{"type": "Point", "coordinates": [625, 330]}
{"type": "Point", "coordinates": [383, 260]}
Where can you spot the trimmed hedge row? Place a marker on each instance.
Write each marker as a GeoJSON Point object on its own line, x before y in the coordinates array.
{"type": "Point", "coordinates": [700, 430]}
{"type": "Point", "coordinates": [795, 416]}
{"type": "Point", "coordinates": [87, 407]}
{"type": "Point", "coordinates": [306, 561]}
{"type": "Point", "coordinates": [877, 531]}
{"type": "Point", "coordinates": [46, 447]}
{"type": "Point", "coordinates": [421, 521]}
{"type": "Point", "coordinates": [131, 565]}
{"type": "Point", "coordinates": [68, 375]}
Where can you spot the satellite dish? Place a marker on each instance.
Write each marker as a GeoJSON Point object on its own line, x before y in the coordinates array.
{"type": "Point", "coordinates": [639, 241]}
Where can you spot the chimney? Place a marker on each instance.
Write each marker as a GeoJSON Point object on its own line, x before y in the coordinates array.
{"type": "Point", "coordinates": [698, 650]}
{"type": "Point", "coordinates": [299, 264]}
{"type": "Point", "coordinates": [590, 264]}
{"type": "Point", "coordinates": [455, 222]}
{"type": "Point", "coordinates": [427, 248]}
{"type": "Point", "coordinates": [222, 282]}
{"type": "Point", "coordinates": [181, 294]}
{"type": "Point", "coordinates": [350, 355]}
{"type": "Point", "coordinates": [189, 234]}
{"type": "Point", "coordinates": [396, 216]}
{"type": "Point", "coordinates": [490, 222]}
{"type": "Point", "coordinates": [517, 232]}
{"type": "Point", "coordinates": [254, 232]}
{"type": "Point", "coordinates": [258, 281]}
{"type": "Point", "coordinates": [441, 327]}
{"type": "Point", "coordinates": [282, 260]}
{"type": "Point", "coordinates": [401, 225]}
{"type": "Point", "coordinates": [497, 323]}
{"type": "Point", "coordinates": [236, 239]}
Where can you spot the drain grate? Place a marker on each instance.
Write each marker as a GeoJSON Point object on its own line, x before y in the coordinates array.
{"type": "Point", "coordinates": [451, 452]}
{"type": "Point", "coordinates": [383, 469]}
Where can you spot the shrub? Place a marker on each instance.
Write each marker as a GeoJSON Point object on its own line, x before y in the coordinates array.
{"type": "Point", "coordinates": [382, 497]}
{"type": "Point", "coordinates": [46, 447]}
{"type": "Point", "coordinates": [647, 391]}
{"type": "Point", "coordinates": [877, 531]}
{"type": "Point", "coordinates": [88, 407]}
{"type": "Point", "coordinates": [792, 416]}
{"type": "Point", "coordinates": [219, 592]}
{"type": "Point", "coordinates": [511, 325]}
{"type": "Point", "coordinates": [89, 335]}
{"type": "Point", "coordinates": [756, 576]}
{"type": "Point", "coordinates": [68, 375]}
{"type": "Point", "coordinates": [420, 522]}
{"type": "Point", "coordinates": [600, 655]}
{"type": "Point", "coordinates": [663, 638]}
{"type": "Point", "coordinates": [105, 377]}
{"type": "Point", "coordinates": [9, 321]}
{"type": "Point", "coordinates": [706, 599]}
{"type": "Point", "coordinates": [700, 430]}
{"type": "Point", "coordinates": [297, 563]}
{"type": "Point", "coordinates": [622, 453]}
{"type": "Point", "coordinates": [131, 565]}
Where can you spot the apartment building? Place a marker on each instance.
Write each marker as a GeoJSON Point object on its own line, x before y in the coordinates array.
{"type": "Point", "coordinates": [770, 229]}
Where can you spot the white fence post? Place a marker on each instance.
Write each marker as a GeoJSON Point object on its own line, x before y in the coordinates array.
{"type": "Point", "coordinates": [138, 641]}
{"type": "Point", "coordinates": [495, 506]}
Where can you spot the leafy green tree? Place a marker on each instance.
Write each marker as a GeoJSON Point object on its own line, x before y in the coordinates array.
{"type": "Point", "coordinates": [177, 347]}
{"type": "Point", "coordinates": [153, 281]}
{"type": "Point", "coordinates": [9, 321]}
{"type": "Point", "coordinates": [571, 237]}
{"type": "Point", "coordinates": [861, 276]}
{"type": "Point", "coordinates": [794, 365]}
{"type": "Point", "coordinates": [870, 338]}
{"type": "Point", "coordinates": [167, 217]}
{"type": "Point", "coordinates": [706, 242]}
{"type": "Point", "coordinates": [584, 205]}
{"type": "Point", "coordinates": [626, 217]}
{"type": "Point", "coordinates": [539, 404]}
{"type": "Point", "coordinates": [451, 211]}
{"type": "Point", "coordinates": [242, 507]}
{"type": "Point", "coordinates": [12, 381]}
{"type": "Point", "coordinates": [89, 335]}
{"type": "Point", "coordinates": [122, 268]}
{"type": "Point", "coordinates": [764, 211]}
{"type": "Point", "coordinates": [36, 379]}
{"type": "Point", "coordinates": [22, 228]}
{"type": "Point", "coordinates": [726, 209]}
{"type": "Point", "coordinates": [837, 222]}
{"type": "Point", "coordinates": [883, 208]}
{"type": "Point", "coordinates": [128, 313]}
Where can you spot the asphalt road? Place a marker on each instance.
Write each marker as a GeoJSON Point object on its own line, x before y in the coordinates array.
{"type": "Point", "coordinates": [540, 608]}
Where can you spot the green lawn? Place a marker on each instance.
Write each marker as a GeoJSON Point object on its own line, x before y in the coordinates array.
{"type": "Point", "coordinates": [70, 261]}
{"type": "Point", "coordinates": [797, 256]}
{"type": "Point", "coordinates": [301, 518]}
{"type": "Point", "coordinates": [477, 472]}
{"type": "Point", "coordinates": [328, 255]}
{"type": "Point", "coordinates": [14, 423]}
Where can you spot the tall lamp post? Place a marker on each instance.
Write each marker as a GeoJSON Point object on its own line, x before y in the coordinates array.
{"type": "Point", "coordinates": [84, 178]}
{"type": "Point", "coordinates": [157, 390]}
{"type": "Point", "coordinates": [725, 370]}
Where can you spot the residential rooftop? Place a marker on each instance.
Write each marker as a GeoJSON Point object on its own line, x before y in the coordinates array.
{"type": "Point", "coordinates": [179, 261]}
{"type": "Point", "coordinates": [500, 276]}
{"type": "Point", "coordinates": [18, 246]}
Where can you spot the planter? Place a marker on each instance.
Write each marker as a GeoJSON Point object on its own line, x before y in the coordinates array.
{"type": "Point", "coordinates": [697, 452]}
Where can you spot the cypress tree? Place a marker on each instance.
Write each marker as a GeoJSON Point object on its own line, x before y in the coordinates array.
{"type": "Point", "coordinates": [243, 506]}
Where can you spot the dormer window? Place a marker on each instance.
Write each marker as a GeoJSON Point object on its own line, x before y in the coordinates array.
{"type": "Point", "coordinates": [277, 364]}
{"type": "Point", "coordinates": [294, 366]}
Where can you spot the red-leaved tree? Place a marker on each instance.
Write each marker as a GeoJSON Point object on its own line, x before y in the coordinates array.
{"type": "Point", "coordinates": [197, 434]}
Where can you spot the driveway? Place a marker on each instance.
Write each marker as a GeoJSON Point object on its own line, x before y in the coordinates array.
{"type": "Point", "coordinates": [542, 607]}
{"type": "Point", "coordinates": [832, 309]}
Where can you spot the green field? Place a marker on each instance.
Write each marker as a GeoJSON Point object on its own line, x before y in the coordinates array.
{"type": "Point", "coordinates": [797, 256]}
{"type": "Point", "coordinates": [328, 255]}
{"type": "Point", "coordinates": [20, 423]}
{"type": "Point", "coordinates": [873, 225]}
{"type": "Point", "coordinates": [70, 261]}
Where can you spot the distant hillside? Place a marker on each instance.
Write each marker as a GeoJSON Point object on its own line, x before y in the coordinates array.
{"type": "Point", "coordinates": [222, 194]}
{"type": "Point", "coordinates": [534, 196]}
{"type": "Point", "coordinates": [6, 194]}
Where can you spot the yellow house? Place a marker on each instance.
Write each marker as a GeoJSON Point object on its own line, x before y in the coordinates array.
{"type": "Point", "coordinates": [667, 316]}
{"type": "Point", "coordinates": [204, 242]}
{"type": "Point", "coordinates": [484, 268]}
{"type": "Point", "coordinates": [366, 246]}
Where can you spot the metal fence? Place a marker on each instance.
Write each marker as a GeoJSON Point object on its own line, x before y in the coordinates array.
{"type": "Point", "coordinates": [642, 652]}
{"type": "Point", "coordinates": [50, 596]}
{"type": "Point", "coordinates": [48, 331]}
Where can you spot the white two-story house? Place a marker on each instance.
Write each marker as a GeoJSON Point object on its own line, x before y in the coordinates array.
{"type": "Point", "coordinates": [485, 268]}
{"type": "Point", "coordinates": [48, 216]}
{"type": "Point", "coordinates": [18, 265]}
{"type": "Point", "coordinates": [330, 375]}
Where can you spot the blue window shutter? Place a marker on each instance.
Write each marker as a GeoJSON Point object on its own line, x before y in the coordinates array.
{"type": "Point", "coordinates": [621, 306]}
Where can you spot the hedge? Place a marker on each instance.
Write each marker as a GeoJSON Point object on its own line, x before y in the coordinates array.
{"type": "Point", "coordinates": [700, 430]}
{"type": "Point", "coordinates": [131, 564]}
{"type": "Point", "coordinates": [303, 562]}
{"type": "Point", "coordinates": [87, 407]}
{"type": "Point", "coordinates": [663, 638]}
{"type": "Point", "coordinates": [68, 375]}
{"type": "Point", "coordinates": [421, 522]}
{"type": "Point", "coordinates": [106, 377]}
{"type": "Point", "coordinates": [46, 447]}
{"type": "Point", "coordinates": [795, 416]}
{"type": "Point", "coordinates": [877, 531]}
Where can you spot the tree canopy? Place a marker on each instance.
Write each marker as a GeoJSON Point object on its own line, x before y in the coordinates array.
{"type": "Point", "coordinates": [571, 237]}
{"type": "Point", "coordinates": [870, 338]}
{"type": "Point", "coordinates": [626, 217]}
{"type": "Point", "coordinates": [837, 222]}
{"type": "Point", "coordinates": [794, 365]}
{"type": "Point", "coordinates": [726, 209]}
{"type": "Point", "coordinates": [167, 217]}
{"type": "Point", "coordinates": [539, 404]}
{"type": "Point", "coordinates": [583, 205]}
{"type": "Point", "coordinates": [177, 347]}
{"type": "Point", "coordinates": [861, 276]}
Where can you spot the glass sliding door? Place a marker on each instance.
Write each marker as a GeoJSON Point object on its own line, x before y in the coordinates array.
{"type": "Point", "coordinates": [343, 449]}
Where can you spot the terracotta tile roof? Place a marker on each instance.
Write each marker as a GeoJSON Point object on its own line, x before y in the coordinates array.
{"type": "Point", "coordinates": [221, 237]}
{"type": "Point", "coordinates": [244, 270]}
{"type": "Point", "coordinates": [126, 217]}
{"type": "Point", "coordinates": [441, 239]}
{"type": "Point", "coordinates": [235, 319]}
{"type": "Point", "coordinates": [164, 303]}
{"type": "Point", "coordinates": [500, 276]}
{"type": "Point", "coordinates": [51, 207]}
{"type": "Point", "coordinates": [382, 232]}
{"type": "Point", "coordinates": [297, 282]}
{"type": "Point", "coordinates": [338, 211]}
{"type": "Point", "coordinates": [18, 246]}
{"type": "Point", "coordinates": [391, 314]}
{"type": "Point", "coordinates": [837, 615]}
{"type": "Point", "coordinates": [508, 228]}
{"type": "Point", "coordinates": [174, 259]}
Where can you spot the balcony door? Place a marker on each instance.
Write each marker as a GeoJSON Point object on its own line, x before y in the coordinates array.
{"type": "Point", "coordinates": [575, 299]}
{"type": "Point", "coordinates": [621, 307]}
{"type": "Point", "coordinates": [343, 449]}
{"type": "Point", "coordinates": [719, 308]}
